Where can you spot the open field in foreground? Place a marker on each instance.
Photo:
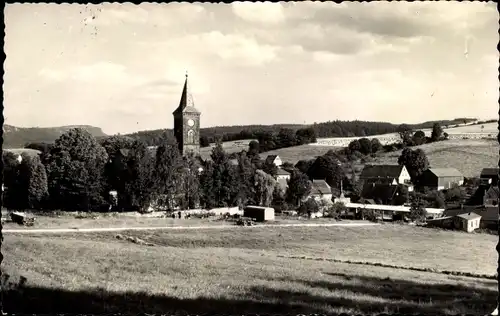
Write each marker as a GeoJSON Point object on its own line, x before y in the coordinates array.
{"type": "Point", "coordinates": [251, 271]}
{"type": "Point", "coordinates": [467, 155]}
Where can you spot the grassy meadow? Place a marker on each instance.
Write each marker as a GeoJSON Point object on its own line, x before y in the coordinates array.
{"type": "Point", "coordinates": [257, 270]}
{"type": "Point", "coordinates": [488, 128]}
{"type": "Point", "coordinates": [469, 156]}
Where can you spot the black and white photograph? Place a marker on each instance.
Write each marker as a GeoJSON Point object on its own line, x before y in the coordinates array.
{"type": "Point", "coordinates": [251, 158]}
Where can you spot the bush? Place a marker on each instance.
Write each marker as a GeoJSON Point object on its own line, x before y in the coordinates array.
{"type": "Point", "coordinates": [308, 207]}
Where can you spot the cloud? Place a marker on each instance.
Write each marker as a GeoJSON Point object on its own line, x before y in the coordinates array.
{"type": "Point", "coordinates": [106, 73]}
{"type": "Point", "coordinates": [259, 12]}
{"type": "Point", "coordinates": [51, 74]}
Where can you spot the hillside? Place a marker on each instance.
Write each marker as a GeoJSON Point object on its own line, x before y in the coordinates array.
{"type": "Point", "coordinates": [17, 137]}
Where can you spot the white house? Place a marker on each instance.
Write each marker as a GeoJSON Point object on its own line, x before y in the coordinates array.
{"type": "Point", "coordinates": [274, 159]}
{"type": "Point", "coordinates": [282, 174]}
{"type": "Point", "coordinates": [387, 174]}
{"type": "Point", "coordinates": [321, 191]}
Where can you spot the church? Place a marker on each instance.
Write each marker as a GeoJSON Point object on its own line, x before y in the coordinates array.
{"type": "Point", "coordinates": [187, 123]}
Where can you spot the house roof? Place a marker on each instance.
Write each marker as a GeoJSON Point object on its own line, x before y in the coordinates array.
{"type": "Point", "coordinates": [282, 172]}
{"type": "Point", "coordinates": [489, 172]}
{"type": "Point", "coordinates": [492, 193]}
{"type": "Point", "coordinates": [271, 158]}
{"type": "Point", "coordinates": [446, 172]}
{"type": "Point", "coordinates": [379, 191]}
{"type": "Point", "coordinates": [320, 187]}
{"type": "Point", "coordinates": [488, 213]}
{"type": "Point", "coordinates": [186, 104]}
{"type": "Point", "coordinates": [469, 216]}
{"type": "Point", "coordinates": [381, 171]}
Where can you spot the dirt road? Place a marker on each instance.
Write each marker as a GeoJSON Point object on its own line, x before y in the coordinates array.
{"type": "Point", "coordinates": [116, 229]}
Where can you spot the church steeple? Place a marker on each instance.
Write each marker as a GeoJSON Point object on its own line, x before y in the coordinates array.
{"type": "Point", "coordinates": [187, 123]}
{"type": "Point", "coordinates": [186, 104]}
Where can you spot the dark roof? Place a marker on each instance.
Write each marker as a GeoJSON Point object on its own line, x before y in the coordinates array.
{"type": "Point", "coordinates": [445, 172]}
{"type": "Point", "coordinates": [186, 104]}
{"type": "Point", "coordinates": [381, 171]}
{"type": "Point", "coordinates": [271, 158]}
{"type": "Point", "coordinates": [489, 172]}
{"type": "Point", "coordinates": [282, 172]}
{"type": "Point", "coordinates": [488, 213]}
{"type": "Point", "coordinates": [379, 191]}
{"type": "Point", "coordinates": [320, 187]}
{"type": "Point", "coordinates": [469, 216]}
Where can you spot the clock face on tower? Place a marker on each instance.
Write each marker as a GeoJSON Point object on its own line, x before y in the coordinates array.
{"type": "Point", "coordinates": [190, 122]}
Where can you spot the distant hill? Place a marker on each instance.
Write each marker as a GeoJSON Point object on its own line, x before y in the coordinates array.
{"type": "Point", "coordinates": [17, 137]}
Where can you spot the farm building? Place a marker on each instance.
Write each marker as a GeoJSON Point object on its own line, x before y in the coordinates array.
{"type": "Point", "coordinates": [386, 174]}
{"type": "Point", "coordinates": [282, 174]}
{"type": "Point", "coordinates": [441, 178]}
{"type": "Point", "coordinates": [383, 193]}
{"type": "Point", "coordinates": [468, 221]}
{"type": "Point", "coordinates": [259, 213]}
{"type": "Point", "coordinates": [274, 159]}
{"type": "Point", "coordinates": [489, 176]}
{"type": "Point", "coordinates": [321, 191]}
{"type": "Point", "coordinates": [489, 214]}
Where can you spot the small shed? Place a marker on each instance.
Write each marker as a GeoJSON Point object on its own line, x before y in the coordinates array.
{"type": "Point", "coordinates": [468, 221]}
{"type": "Point", "coordinates": [441, 178]}
{"type": "Point", "coordinates": [259, 213]}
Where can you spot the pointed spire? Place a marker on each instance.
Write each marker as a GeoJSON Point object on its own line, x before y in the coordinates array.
{"type": "Point", "coordinates": [186, 103]}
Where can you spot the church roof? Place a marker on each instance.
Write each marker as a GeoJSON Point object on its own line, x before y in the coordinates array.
{"type": "Point", "coordinates": [186, 104]}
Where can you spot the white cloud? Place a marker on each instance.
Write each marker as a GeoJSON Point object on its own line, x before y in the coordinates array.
{"type": "Point", "coordinates": [259, 12]}
{"type": "Point", "coordinates": [51, 74]}
{"type": "Point", "coordinates": [105, 73]}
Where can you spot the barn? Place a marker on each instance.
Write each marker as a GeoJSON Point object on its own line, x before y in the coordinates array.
{"type": "Point", "coordinates": [441, 178]}
{"type": "Point", "coordinates": [259, 213]}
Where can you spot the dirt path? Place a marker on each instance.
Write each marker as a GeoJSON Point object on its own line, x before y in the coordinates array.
{"type": "Point", "coordinates": [115, 229]}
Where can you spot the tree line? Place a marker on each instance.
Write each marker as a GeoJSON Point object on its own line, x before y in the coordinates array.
{"type": "Point", "coordinates": [77, 172]}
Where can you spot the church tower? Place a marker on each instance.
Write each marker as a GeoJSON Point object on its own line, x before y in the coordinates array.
{"type": "Point", "coordinates": [187, 123]}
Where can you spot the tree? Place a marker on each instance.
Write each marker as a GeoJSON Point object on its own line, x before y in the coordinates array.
{"type": "Point", "coordinates": [204, 142]}
{"type": "Point", "coordinates": [304, 165]}
{"type": "Point", "coordinates": [376, 145]}
{"type": "Point", "coordinates": [335, 210]}
{"type": "Point", "coordinates": [417, 210]}
{"type": "Point", "coordinates": [308, 207]}
{"type": "Point", "coordinates": [31, 187]}
{"type": "Point", "coordinates": [305, 136]}
{"type": "Point", "coordinates": [225, 178]}
{"type": "Point", "coordinates": [270, 168]}
{"type": "Point", "coordinates": [327, 168]}
{"type": "Point", "coordinates": [190, 182]}
{"type": "Point", "coordinates": [264, 188]}
{"type": "Point", "coordinates": [415, 162]}
{"type": "Point", "coordinates": [138, 179]}
{"type": "Point", "coordinates": [299, 187]}
{"type": "Point", "coordinates": [365, 146]}
{"type": "Point", "coordinates": [354, 146]}
{"type": "Point", "coordinates": [112, 169]}
{"type": "Point", "coordinates": [418, 138]}
{"type": "Point", "coordinates": [437, 132]}
{"type": "Point", "coordinates": [75, 166]}
{"type": "Point", "coordinates": [10, 178]}
{"type": "Point", "coordinates": [445, 135]}
{"type": "Point", "coordinates": [246, 172]}
{"type": "Point", "coordinates": [169, 172]}
{"type": "Point", "coordinates": [279, 198]}
{"type": "Point", "coordinates": [405, 132]}
{"type": "Point", "coordinates": [286, 138]}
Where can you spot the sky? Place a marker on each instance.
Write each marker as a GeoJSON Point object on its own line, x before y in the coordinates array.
{"type": "Point", "coordinates": [121, 67]}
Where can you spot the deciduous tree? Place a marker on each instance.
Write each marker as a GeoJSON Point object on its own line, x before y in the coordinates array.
{"type": "Point", "coordinates": [299, 187]}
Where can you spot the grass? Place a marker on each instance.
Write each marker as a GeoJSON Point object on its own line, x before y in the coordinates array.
{"type": "Point", "coordinates": [466, 155]}
{"type": "Point", "coordinates": [255, 270]}
{"type": "Point", "coordinates": [488, 128]}
{"type": "Point", "coordinates": [302, 152]}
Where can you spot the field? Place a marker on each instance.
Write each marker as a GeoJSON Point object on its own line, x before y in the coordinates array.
{"type": "Point", "coordinates": [254, 270]}
{"type": "Point", "coordinates": [488, 128]}
{"type": "Point", "coordinates": [296, 153]}
{"type": "Point", "coordinates": [467, 155]}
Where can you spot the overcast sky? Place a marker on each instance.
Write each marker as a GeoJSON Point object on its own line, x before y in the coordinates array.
{"type": "Point", "coordinates": [121, 67]}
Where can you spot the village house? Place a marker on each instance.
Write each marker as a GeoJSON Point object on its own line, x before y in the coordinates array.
{"type": "Point", "coordinates": [489, 176]}
{"type": "Point", "coordinates": [468, 221]}
{"type": "Point", "coordinates": [321, 191]}
{"type": "Point", "coordinates": [441, 178]}
{"type": "Point", "coordinates": [282, 174]}
{"type": "Point", "coordinates": [386, 175]}
{"type": "Point", "coordinates": [274, 159]}
{"type": "Point", "coordinates": [489, 215]}
{"type": "Point", "coordinates": [491, 196]}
